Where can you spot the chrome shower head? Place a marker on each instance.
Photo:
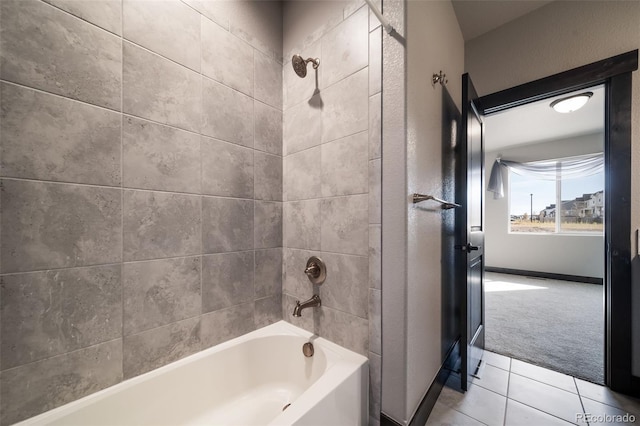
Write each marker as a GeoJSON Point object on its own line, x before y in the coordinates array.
{"type": "Point", "coordinates": [300, 65]}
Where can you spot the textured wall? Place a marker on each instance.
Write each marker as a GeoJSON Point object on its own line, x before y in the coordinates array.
{"type": "Point", "coordinates": [141, 188]}
{"type": "Point", "coordinates": [413, 163]}
{"type": "Point", "coordinates": [555, 38]}
{"type": "Point", "coordinates": [331, 138]}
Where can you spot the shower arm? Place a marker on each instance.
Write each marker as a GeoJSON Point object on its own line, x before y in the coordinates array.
{"type": "Point", "coordinates": [315, 62]}
{"type": "Point", "coordinates": [385, 24]}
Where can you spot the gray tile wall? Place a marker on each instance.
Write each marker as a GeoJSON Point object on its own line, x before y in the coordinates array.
{"type": "Point", "coordinates": [141, 188]}
{"type": "Point", "coordinates": [332, 181]}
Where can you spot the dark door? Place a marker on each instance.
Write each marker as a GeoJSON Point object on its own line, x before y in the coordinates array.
{"type": "Point", "coordinates": [470, 234]}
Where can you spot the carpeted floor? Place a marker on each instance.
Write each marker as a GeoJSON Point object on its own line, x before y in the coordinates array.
{"type": "Point", "coordinates": [554, 324]}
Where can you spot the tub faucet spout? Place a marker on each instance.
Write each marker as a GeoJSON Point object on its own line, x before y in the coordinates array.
{"type": "Point", "coordinates": [314, 301]}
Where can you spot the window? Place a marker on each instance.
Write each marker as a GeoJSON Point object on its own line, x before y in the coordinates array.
{"type": "Point", "coordinates": [569, 204]}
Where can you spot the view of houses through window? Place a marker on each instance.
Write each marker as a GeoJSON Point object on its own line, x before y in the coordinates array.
{"type": "Point", "coordinates": [534, 204]}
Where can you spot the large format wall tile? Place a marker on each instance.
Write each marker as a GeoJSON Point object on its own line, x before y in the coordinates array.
{"type": "Point", "coordinates": [160, 292]}
{"type": "Point", "coordinates": [106, 14]}
{"type": "Point", "coordinates": [154, 348]}
{"type": "Point", "coordinates": [375, 61]}
{"type": "Point", "coordinates": [268, 310]}
{"type": "Point", "coordinates": [295, 281]}
{"type": "Point", "coordinates": [226, 58]}
{"type": "Point", "coordinates": [227, 224]}
{"type": "Point", "coordinates": [375, 126]}
{"type": "Point", "coordinates": [344, 225]}
{"type": "Point", "coordinates": [268, 80]}
{"type": "Point", "coordinates": [267, 224]}
{"type": "Point", "coordinates": [301, 222]}
{"type": "Point", "coordinates": [119, 102]}
{"type": "Point", "coordinates": [345, 329]}
{"type": "Point", "coordinates": [268, 128]}
{"type": "Point", "coordinates": [216, 11]}
{"type": "Point", "coordinates": [160, 225]}
{"type": "Point", "coordinates": [375, 258]}
{"type": "Point", "coordinates": [52, 225]}
{"type": "Point", "coordinates": [375, 191]}
{"type": "Point", "coordinates": [259, 23]}
{"type": "Point", "coordinates": [160, 157]}
{"type": "Point", "coordinates": [53, 312]}
{"type": "Point", "coordinates": [227, 169]}
{"type": "Point", "coordinates": [302, 126]}
{"type": "Point", "coordinates": [346, 106]}
{"type": "Point", "coordinates": [345, 166]}
{"type": "Point", "coordinates": [268, 272]}
{"type": "Point", "coordinates": [160, 90]}
{"type": "Point", "coordinates": [345, 48]}
{"type": "Point", "coordinates": [302, 176]}
{"type": "Point", "coordinates": [225, 324]}
{"type": "Point", "coordinates": [47, 137]}
{"type": "Point", "coordinates": [268, 177]}
{"type": "Point", "coordinates": [227, 280]}
{"type": "Point", "coordinates": [46, 48]}
{"type": "Point", "coordinates": [167, 27]}
{"type": "Point", "coordinates": [375, 321]}
{"type": "Point", "coordinates": [347, 287]}
{"type": "Point", "coordinates": [227, 114]}
{"type": "Point", "coordinates": [58, 380]}
{"type": "Point", "coordinates": [375, 387]}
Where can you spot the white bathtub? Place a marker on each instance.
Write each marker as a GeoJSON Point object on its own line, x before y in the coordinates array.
{"type": "Point", "coordinates": [245, 381]}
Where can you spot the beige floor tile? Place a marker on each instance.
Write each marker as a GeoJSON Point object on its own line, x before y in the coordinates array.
{"type": "Point", "coordinates": [549, 399]}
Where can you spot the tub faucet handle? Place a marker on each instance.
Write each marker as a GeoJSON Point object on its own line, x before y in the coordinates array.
{"type": "Point", "coordinates": [316, 270]}
{"type": "Point", "coordinates": [313, 270]}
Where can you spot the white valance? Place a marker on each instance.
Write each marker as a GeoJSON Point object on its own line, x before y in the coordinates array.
{"type": "Point", "coordinates": [563, 168]}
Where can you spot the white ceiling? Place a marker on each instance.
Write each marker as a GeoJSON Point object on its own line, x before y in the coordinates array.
{"type": "Point", "coordinates": [538, 122]}
{"type": "Point", "coordinates": [477, 17]}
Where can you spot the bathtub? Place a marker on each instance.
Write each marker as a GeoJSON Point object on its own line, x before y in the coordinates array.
{"type": "Point", "coordinates": [246, 381]}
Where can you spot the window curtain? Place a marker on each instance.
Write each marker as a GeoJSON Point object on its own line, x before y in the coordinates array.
{"type": "Point", "coordinates": [564, 168]}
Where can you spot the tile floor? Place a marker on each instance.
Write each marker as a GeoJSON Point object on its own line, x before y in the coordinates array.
{"type": "Point", "coordinates": [511, 392]}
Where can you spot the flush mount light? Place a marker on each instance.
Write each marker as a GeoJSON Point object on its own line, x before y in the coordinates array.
{"type": "Point", "coordinates": [571, 103]}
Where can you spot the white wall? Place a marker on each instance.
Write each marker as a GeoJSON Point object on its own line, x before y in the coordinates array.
{"type": "Point", "coordinates": [581, 255]}
{"type": "Point", "coordinates": [412, 163]}
{"type": "Point", "coordinates": [555, 38]}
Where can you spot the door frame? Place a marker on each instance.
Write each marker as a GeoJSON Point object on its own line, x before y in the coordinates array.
{"type": "Point", "coordinates": [615, 74]}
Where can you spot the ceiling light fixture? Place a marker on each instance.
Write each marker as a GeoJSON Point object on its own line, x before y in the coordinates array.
{"type": "Point", "coordinates": [571, 103]}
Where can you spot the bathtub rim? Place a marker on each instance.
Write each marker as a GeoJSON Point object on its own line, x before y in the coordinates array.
{"type": "Point", "coordinates": [341, 364]}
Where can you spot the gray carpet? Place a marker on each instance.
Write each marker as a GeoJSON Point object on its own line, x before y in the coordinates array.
{"type": "Point", "coordinates": [554, 324]}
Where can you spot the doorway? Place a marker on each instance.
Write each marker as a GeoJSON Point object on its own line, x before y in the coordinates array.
{"type": "Point", "coordinates": [544, 234]}
{"type": "Point", "coordinates": [615, 74]}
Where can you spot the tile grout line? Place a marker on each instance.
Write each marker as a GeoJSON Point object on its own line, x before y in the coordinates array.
{"type": "Point", "coordinates": [328, 142]}
{"type": "Point", "coordinates": [125, 114]}
{"type": "Point", "coordinates": [332, 85]}
{"type": "Point", "coordinates": [79, 18]}
{"type": "Point", "coordinates": [584, 411]}
{"type": "Point", "coordinates": [161, 191]}
{"type": "Point", "coordinates": [545, 383]}
{"type": "Point", "coordinates": [202, 232]}
{"type": "Point", "coordinates": [129, 262]}
{"type": "Point", "coordinates": [61, 354]}
{"type": "Point", "coordinates": [122, 277]}
{"type": "Point", "coordinates": [506, 402]}
{"type": "Point", "coordinates": [327, 252]}
{"type": "Point", "coordinates": [267, 54]}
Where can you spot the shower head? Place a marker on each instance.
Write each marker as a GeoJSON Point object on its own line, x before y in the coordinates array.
{"type": "Point", "coordinates": [300, 65]}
